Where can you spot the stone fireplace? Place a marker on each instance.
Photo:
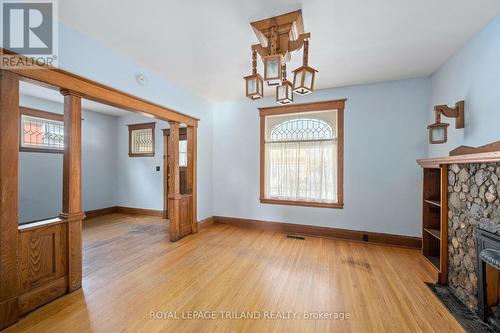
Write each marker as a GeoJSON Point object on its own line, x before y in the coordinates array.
{"type": "Point", "coordinates": [473, 201]}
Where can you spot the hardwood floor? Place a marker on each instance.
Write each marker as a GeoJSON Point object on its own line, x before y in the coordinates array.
{"type": "Point", "coordinates": [130, 269]}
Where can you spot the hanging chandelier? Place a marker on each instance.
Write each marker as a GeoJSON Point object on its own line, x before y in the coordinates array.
{"type": "Point", "coordinates": [279, 37]}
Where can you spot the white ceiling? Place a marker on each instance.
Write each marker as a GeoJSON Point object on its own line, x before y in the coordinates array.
{"type": "Point", "coordinates": [33, 90]}
{"type": "Point", "coordinates": [204, 46]}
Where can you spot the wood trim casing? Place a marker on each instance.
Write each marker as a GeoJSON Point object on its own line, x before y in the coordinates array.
{"type": "Point", "coordinates": [134, 127]}
{"type": "Point", "coordinates": [443, 274]}
{"type": "Point", "coordinates": [435, 162]}
{"type": "Point", "coordinates": [56, 79]}
{"type": "Point", "coordinates": [9, 190]}
{"type": "Point", "coordinates": [316, 231]}
{"type": "Point", "coordinates": [303, 107]}
{"type": "Point", "coordinates": [72, 185]}
{"type": "Point", "coordinates": [191, 135]}
{"type": "Point", "coordinates": [39, 114]}
{"type": "Point", "coordinates": [339, 106]}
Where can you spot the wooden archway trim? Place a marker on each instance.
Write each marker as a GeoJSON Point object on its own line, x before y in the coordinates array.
{"type": "Point", "coordinates": [57, 79]}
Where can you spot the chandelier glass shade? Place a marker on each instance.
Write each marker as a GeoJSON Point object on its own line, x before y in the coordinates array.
{"type": "Point", "coordinates": [254, 86]}
{"type": "Point", "coordinates": [303, 80]}
{"type": "Point", "coordinates": [272, 69]}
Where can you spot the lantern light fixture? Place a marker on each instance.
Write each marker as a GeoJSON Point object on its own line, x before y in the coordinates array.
{"type": "Point", "coordinates": [438, 132]}
{"type": "Point", "coordinates": [303, 77]}
{"type": "Point", "coordinates": [284, 92]}
{"type": "Point", "coordinates": [279, 37]}
{"type": "Point", "coordinates": [272, 69]}
{"type": "Point", "coordinates": [254, 83]}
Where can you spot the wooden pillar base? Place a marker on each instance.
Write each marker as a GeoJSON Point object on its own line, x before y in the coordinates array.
{"type": "Point", "coordinates": [74, 249]}
{"type": "Point", "coordinates": [8, 312]}
{"type": "Point", "coordinates": [174, 206]}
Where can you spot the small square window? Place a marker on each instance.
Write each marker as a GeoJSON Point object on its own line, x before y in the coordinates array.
{"type": "Point", "coordinates": [141, 140]}
{"type": "Point", "coordinates": [41, 131]}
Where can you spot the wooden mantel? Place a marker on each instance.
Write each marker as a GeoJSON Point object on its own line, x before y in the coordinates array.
{"type": "Point", "coordinates": [460, 159]}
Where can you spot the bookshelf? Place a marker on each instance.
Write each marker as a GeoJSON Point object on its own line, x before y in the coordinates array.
{"type": "Point", "coordinates": [434, 219]}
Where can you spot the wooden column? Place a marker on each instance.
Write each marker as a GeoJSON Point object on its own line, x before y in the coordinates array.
{"type": "Point", "coordinates": [191, 173]}
{"type": "Point", "coordinates": [174, 181]}
{"type": "Point", "coordinates": [72, 185]}
{"type": "Point", "coordinates": [9, 187]}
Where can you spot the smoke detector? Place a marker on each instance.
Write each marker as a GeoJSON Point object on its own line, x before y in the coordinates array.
{"type": "Point", "coordinates": [141, 79]}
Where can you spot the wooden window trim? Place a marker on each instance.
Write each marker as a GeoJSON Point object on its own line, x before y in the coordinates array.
{"type": "Point", "coordinates": [133, 127]}
{"type": "Point", "coordinates": [338, 105]}
{"type": "Point", "coordinates": [39, 114]}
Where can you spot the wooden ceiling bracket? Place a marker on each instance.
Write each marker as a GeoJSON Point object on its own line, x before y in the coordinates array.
{"type": "Point", "coordinates": [281, 34]}
{"type": "Point", "coordinates": [262, 51]}
{"type": "Point", "coordinates": [299, 42]}
{"type": "Point", "coordinates": [457, 112]}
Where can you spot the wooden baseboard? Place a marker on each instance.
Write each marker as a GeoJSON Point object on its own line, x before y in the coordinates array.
{"type": "Point", "coordinates": [123, 210]}
{"type": "Point", "coordinates": [100, 212]}
{"type": "Point", "coordinates": [139, 211]}
{"type": "Point", "coordinates": [307, 230]}
{"type": "Point", "coordinates": [206, 222]}
{"type": "Point", "coordinates": [43, 295]}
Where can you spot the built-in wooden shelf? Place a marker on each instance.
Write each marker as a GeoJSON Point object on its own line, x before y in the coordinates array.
{"type": "Point", "coordinates": [433, 202]}
{"type": "Point", "coordinates": [433, 260]}
{"type": "Point", "coordinates": [434, 232]}
{"type": "Point", "coordinates": [434, 220]}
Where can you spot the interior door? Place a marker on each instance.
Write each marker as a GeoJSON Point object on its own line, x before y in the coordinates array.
{"type": "Point", "coordinates": [182, 166]}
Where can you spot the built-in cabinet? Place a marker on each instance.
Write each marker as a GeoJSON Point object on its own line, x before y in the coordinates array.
{"type": "Point", "coordinates": [434, 220]}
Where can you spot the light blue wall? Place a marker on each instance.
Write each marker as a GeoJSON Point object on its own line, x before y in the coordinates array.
{"type": "Point", "coordinates": [40, 175]}
{"type": "Point", "coordinates": [99, 160]}
{"type": "Point", "coordinates": [384, 135]}
{"type": "Point", "coordinates": [139, 185]}
{"type": "Point", "coordinates": [472, 74]}
{"type": "Point", "coordinates": [84, 56]}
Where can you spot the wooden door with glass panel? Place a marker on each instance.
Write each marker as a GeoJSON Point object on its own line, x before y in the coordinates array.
{"type": "Point", "coordinates": [182, 166]}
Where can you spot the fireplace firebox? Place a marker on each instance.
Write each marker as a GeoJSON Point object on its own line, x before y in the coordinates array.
{"type": "Point", "coordinates": [488, 264]}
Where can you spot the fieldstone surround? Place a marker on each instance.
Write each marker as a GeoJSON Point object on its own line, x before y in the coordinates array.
{"type": "Point", "coordinates": [473, 201]}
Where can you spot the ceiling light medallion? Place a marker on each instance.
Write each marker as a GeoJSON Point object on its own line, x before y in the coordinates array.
{"type": "Point", "coordinates": [278, 37]}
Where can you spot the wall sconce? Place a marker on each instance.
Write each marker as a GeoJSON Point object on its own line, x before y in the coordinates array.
{"type": "Point", "coordinates": [438, 132]}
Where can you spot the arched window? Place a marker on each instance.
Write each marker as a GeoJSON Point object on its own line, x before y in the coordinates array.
{"type": "Point", "coordinates": [302, 129]}
{"type": "Point", "coordinates": [302, 156]}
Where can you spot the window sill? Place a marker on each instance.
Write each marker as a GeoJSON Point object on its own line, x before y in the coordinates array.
{"type": "Point", "coordinates": [337, 205]}
{"type": "Point", "coordinates": [41, 150]}
{"type": "Point", "coordinates": [142, 155]}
